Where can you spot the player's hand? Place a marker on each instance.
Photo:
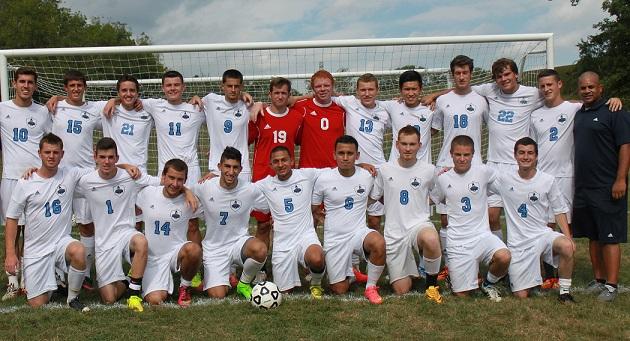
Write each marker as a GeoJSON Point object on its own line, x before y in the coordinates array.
{"type": "Point", "coordinates": [191, 200]}
{"type": "Point", "coordinates": [133, 171]}
{"type": "Point", "coordinates": [51, 104]}
{"type": "Point", "coordinates": [370, 168]}
{"type": "Point", "coordinates": [614, 104]}
{"type": "Point", "coordinates": [247, 98]}
{"type": "Point", "coordinates": [444, 170]}
{"type": "Point", "coordinates": [11, 264]}
{"type": "Point", "coordinates": [137, 106]}
{"type": "Point", "coordinates": [196, 100]}
{"type": "Point", "coordinates": [255, 109]}
{"type": "Point", "coordinates": [29, 172]}
{"type": "Point", "coordinates": [206, 177]}
{"type": "Point", "coordinates": [619, 189]}
{"type": "Point", "coordinates": [110, 108]}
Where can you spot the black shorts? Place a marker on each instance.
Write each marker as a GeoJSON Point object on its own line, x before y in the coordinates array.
{"type": "Point", "coordinates": [598, 217]}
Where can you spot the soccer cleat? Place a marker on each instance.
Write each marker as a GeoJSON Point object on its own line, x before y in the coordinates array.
{"type": "Point", "coordinates": [607, 295]}
{"type": "Point", "coordinates": [372, 295]}
{"type": "Point", "coordinates": [12, 292]}
{"type": "Point", "coordinates": [594, 287]}
{"type": "Point", "coordinates": [134, 303]}
{"type": "Point", "coordinates": [359, 276]}
{"type": "Point", "coordinates": [78, 306]}
{"type": "Point", "coordinates": [433, 294]}
{"type": "Point", "coordinates": [87, 284]}
{"type": "Point", "coordinates": [443, 275]}
{"type": "Point", "coordinates": [550, 283]}
{"type": "Point", "coordinates": [317, 292]}
{"type": "Point", "coordinates": [233, 280]}
{"type": "Point", "coordinates": [197, 282]}
{"type": "Point", "coordinates": [183, 299]}
{"type": "Point", "coordinates": [566, 299]}
{"type": "Point", "coordinates": [244, 290]}
{"type": "Point", "coordinates": [492, 292]}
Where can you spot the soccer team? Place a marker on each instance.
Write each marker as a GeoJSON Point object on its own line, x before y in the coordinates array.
{"type": "Point", "coordinates": [52, 172]}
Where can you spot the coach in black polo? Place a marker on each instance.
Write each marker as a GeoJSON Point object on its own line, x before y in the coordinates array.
{"type": "Point", "coordinates": [602, 157]}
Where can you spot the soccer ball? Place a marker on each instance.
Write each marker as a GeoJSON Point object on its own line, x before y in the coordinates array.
{"type": "Point", "coordinates": [265, 295]}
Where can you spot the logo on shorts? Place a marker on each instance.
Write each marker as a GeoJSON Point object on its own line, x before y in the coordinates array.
{"type": "Point", "coordinates": [185, 115]}
{"type": "Point", "coordinates": [31, 122]}
{"type": "Point", "coordinates": [471, 107]}
{"type": "Point", "coordinates": [533, 197]}
{"type": "Point", "coordinates": [297, 189]}
{"type": "Point", "coordinates": [473, 187]}
{"type": "Point", "coordinates": [415, 184]}
{"type": "Point", "coordinates": [360, 190]}
{"type": "Point", "coordinates": [119, 190]}
{"type": "Point", "coordinates": [176, 214]}
{"type": "Point", "coordinates": [235, 205]}
{"type": "Point", "coordinates": [562, 119]}
{"type": "Point", "coordinates": [61, 190]}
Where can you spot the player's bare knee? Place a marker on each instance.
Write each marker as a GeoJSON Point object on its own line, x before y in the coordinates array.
{"type": "Point", "coordinates": [521, 293]}
{"type": "Point", "coordinates": [502, 257]}
{"type": "Point", "coordinates": [217, 292]}
{"type": "Point", "coordinates": [76, 253]}
{"type": "Point", "coordinates": [257, 250]}
{"type": "Point", "coordinates": [564, 247]}
{"type": "Point", "coordinates": [192, 251]}
{"type": "Point", "coordinates": [139, 244]}
{"type": "Point", "coordinates": [340, 288]}
{"type": "Point", "coordinates": [401, 286]}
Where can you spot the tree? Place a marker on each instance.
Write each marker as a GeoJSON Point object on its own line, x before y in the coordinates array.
{"type": "Point", "coordinates": [607, 52]}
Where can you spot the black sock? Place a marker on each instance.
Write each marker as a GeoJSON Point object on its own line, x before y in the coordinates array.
{"type": "Point", "coordinates": [431, 281]}
{"type": "Point", "coordinates": [135, 284]}
{"type": "Point", "coordinates": [600, 280]}
{"type": "Point", "coordinates": [550, 271]}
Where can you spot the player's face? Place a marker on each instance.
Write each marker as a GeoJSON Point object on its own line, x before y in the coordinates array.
{"type": "Point", "coordinates": [173, 182]}
{"type": "Point", "coordinates": [550, 87]}
{"type": "Point", "coordinates": [346, 155]}
{"type": "Point", "coordinates": [526, 156]}
{"type": "Point", "coordinates": [367, 92]}
{"type": "Point", "coordinates": [74, 91]}
{"type": "Point", "coordinates": [232, 88]}
{"type": "Point", "coordinates": [279, 96]}
{"type": "Point", "coordinates": [462, 158]}
{"type": "Point", "coordinates": [230, 169]}
{"type": "Point", "coordinates": [462, 76]}
{"type": "Point", "coordinates": [173, 88]}
{"type": "Point", "coordinates": [507, 80]}
{"type": "Point", "coordinates": [322, 89]}
{"type": "Point", "coordinates": [408, 146]}
{"type": "Point", "coordinates": [106, 160]}
{"type": "Point", "coordinates": [51, 155]}
{"type": "Point", "coordinates": [128, 93]}
{"type": "Point", "coordinates": [410, 92]}
{"type": "Point", "coordinates": [24, 87]}
{"type": "Point", "coordinates": [590, 89]}
{"type": "Point", "coordinates": [281, 163]}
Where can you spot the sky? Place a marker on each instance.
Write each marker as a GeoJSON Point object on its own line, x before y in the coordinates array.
{"type": "Point", "coordinates": [222, 21]}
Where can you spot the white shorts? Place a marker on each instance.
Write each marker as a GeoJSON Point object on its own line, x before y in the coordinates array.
{"type": "Point", "coordinates": [6, 190]}
{"type": "Point", "coordinates": [524, 268]}
{"type": "Point", "coordinates": [441, 208]}
{"type": "Point", "coordinates": [376, 209]}
{"type": "Point", "coordinates": [400, 254]}
{"type": "Point", "coordinates": [81, 211]}
{"type": "Point", "coordinates": [39, 273]}
{"type": "Point", "coordinates": [158, 275]}
{"type": "Point", "coordinates": [464, 259]}
{"type": "Point", "coordinates": [194, 174]}
{"type": "Point", "coordinates": [285, 263]}
{"type": "Point", "coordinates": [339, 255]}
{"type": "Point", "coordinates": [217, 262]}
{"type": "Point", "coordinates": [494, 200]}
{"type": "Point", "coordinates": [109, 263]}
{"type": "Point", "coordinates": [567, 190]}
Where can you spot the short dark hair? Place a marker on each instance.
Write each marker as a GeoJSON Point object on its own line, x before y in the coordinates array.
{"type": "Point", "coordinates": [25, 70]}
{"type": "Point", "coordinates": [106, 143]}
{"type": "Point", "coordinates": [127, 78]}
{"type": "Point", "coordinates": [231, 153]}
{"type": "Point", "coordinates": [409, 76]}
{"type": "Point", "coordinates": [280, 148]}
{"type": "Point", "coordinates": [409, 130]}
{"type": "Point", "coordinates": [177, 165]}
{"type": "Point", "coordinates": [462, 60]}
{"type": "Point", "coordinates": [367, 78]}
{"type": "Point", "coordinates": [51, 138]}
{"type": "Point", "coordinates": [462, 140]}
{"type": "Point", "coordinates": [526, 141]}
{"type": "Point", "coordinates": [172, 74]}
{"type": "Point", "coordinates": [278, 82]}
{"type": "Point", "coordinates": [547, 73]}
{"type": "Point", "coordinates": [74, 75]}
{"type": "Point", "coordinates": [347, 139]}
{"type": "Point", "coordinates": [232, 73]}
{"type": "Point", "coordinates": [501, 64]}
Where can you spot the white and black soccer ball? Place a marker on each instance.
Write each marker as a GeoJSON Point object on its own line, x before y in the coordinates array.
{"type": "Point", "coordinates": [266, 295]}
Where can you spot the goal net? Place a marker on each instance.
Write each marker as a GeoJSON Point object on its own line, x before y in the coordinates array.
{"type": "Point", "coordinates": [203, 65]}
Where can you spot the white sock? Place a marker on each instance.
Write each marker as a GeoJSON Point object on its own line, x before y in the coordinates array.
{"type": "Point", "coordinates": [443, 232]}
{"type": "Point", "coordinates": [316, 278]}
{"type": "Point", "coordinates": [432, 266]}
{"type": "Point", "coordinates": [75, 280]}
{"type": "Point", "coordinates": [356, 260]}
{"type": "Point", "coordinates": [21, 272]}
{"type": "Point", "coordinates": [88, 242]}
{"type": "Point", "coordinates": [565, 285]}
{"type": "Point", "coordinates": [250, 269]}
{"type": "Point", "coordinates": [13, 279]}
{"type": "Point", "coordinates": [374, 273]}
{"type": "Point", "coordinates": [184, 282]}
{"type": "Point", "coordinates": [491, 278]}
{"type": "Point", "coordinates": [498, 233]}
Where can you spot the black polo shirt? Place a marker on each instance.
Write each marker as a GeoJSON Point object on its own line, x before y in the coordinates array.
{"type": "Point", "coordinates": [598, 134]}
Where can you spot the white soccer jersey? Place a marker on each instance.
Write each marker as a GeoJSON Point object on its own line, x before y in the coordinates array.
{"type": "Point", "coordinates": [47, 205]}
{"type": "Point", "coordinates": [112, 204]}
{"type": "Point", "coordinates": [290, 205]}
{"type": "Point", "coordinates": [130, 129]}
{"type": "Point", "coordinates": [21, 129]}
{"type": "Point", "coordinates": [508, 118]}
{"type": "Point", "coordinates": [177, 128]}
{"type": "Point", "coordinates": [165, 220]}
{"type": "Point", "coordinates": [552, 129]}
{"type": "Point", "coordinates": [466, 198]}
{"type": "Point", "coordinates": [366, 125]}
{"type": "Point", "coordinates": [75, 126]}
{"type": "Point", "coordinates": [227, 126]}
{"type": "Point", "coordinates": [226, 211]}
{"type": "Point", "coordinates": [406, 196]}
{"type": "Point", "coordinates": [527, 204]}
{"type": "Point", "coordinates": [419, 117]}
{"type": "Point", "coordinates": [345, 200]}
{"type": "Point", "coordinates": [459, 115]}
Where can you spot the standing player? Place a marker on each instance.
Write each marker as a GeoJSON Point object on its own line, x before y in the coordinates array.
{"type": "Point", "coordinates": [166, 214]}
{"type": "Point", "coordinates": [469, 240]}
{"type": "Point", "coordinates": [227, 203]}
{"type": "Point", "coordinates": [528, 195]}
{"type": "Point", "coordinates": [46, 199]}
{"type": "Point", "coordinates": [288, 197]}
{"type": "Point", "coordinates": [22, 125]}
{"type": "Point", "coordinates": [405, 184]}
{"type": "Point", "coordinates": [344, 191]}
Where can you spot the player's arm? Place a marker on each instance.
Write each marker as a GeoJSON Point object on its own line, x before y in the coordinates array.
{"type": "Point", "coordinates": [255, 109]}
{"type": "Point", "coordinates": [620, 186]}
{"type": "Point", "coordinates": [428, 100]}
{"type": "Point", "coordinates": [370, 168]}
{"type": "Point", "coordinates": [29, 172]}
{"type": "Point", "coordinates": [133, 171]}
{"type": "Point", "coordinates": [294, 99]}
{"type": "Point", "coordinates": [51, 104]}
{"type": "Point", "coordinates": [10, 234]}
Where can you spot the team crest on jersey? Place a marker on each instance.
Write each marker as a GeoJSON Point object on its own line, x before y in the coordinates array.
{"type": "Point", "coordinates": [144, 117]}
{"type": "Point", "coordinates": [119, 190]}
{"type": "Point", "coordinates": [185, 115]}
{"type": "Point", "coordinates": [471, 107]}
{"type": "Point", "coordinates": [176, 214]}
{"type": "Point", "coordinates": [523, 100]}
{"type": "Point", "coordinates": [422, 118]}
{"type": "Point", "coordinates": [562, 119]}
{"type": "Point", "coordinates": [235, 205]}
{"type": "Point", "coordinates": [61, 190]}
{"type": "Point", "coordinates": [390, 179]}
{"type": "Point", "coordinates": [31, 122]}
{"type": "Point", "coordinates": [402, 113]}
{"type": "Point", "coordinates": [360, 190]}
{"type": "Point", "coordinates": [85, 116]}
{"type": "Point", "coordinates": [415, 183]}
{"type": "Point", "coordinates": [533, 197]}
{"type": "Point", "coordinates": [473, 187]}
{"type": "Point", "coordinates": [334, 188]}
{"type": "Point", "coordinates": [376, 118]}
{"type": "Point", "coordinates": [238, 113]}
{"type": "Point", "coordinates": [297, 189]}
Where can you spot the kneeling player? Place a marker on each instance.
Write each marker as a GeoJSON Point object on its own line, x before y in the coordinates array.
{"type": "Point", "coordinates": [166, 215]}
{"type": "Point", "coordinates": [469, 240]}
{"type": "Point", "coordinates": [405, 183]}
{"type": "Point", "coordinates": [528, 194]}
{"type": "Point", "coordinates": [344, 191]}
{"type": "Point", "coordinates": [227, 204]}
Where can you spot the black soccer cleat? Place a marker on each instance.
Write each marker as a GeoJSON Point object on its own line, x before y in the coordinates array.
{"type": "Point", "coordinates": [566, 299]}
